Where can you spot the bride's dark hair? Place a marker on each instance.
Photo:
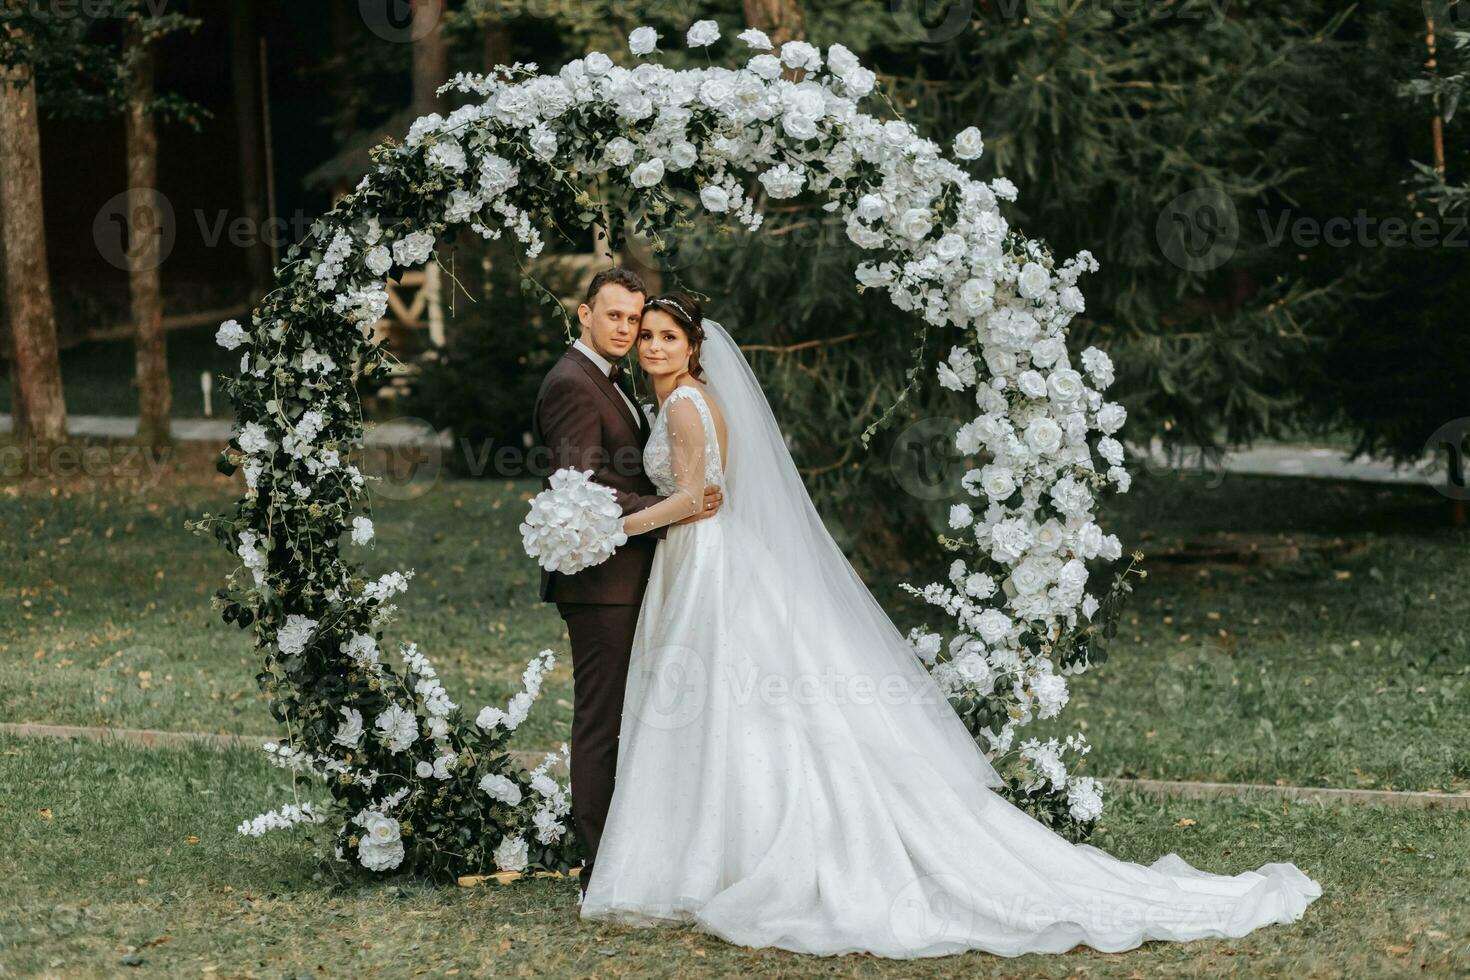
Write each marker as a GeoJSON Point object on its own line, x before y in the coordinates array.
{"type": "Point", "coordinates": [688, 313]}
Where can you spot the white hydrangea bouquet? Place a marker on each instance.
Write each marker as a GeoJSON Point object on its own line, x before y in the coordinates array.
{"type": "Point", "coordinates": [574, 524]}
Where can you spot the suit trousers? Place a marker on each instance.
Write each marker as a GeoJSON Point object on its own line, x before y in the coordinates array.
{"type": "Point", "coordinates": [602, 644]}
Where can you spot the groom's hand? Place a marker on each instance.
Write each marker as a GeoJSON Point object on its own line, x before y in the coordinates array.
{"type": "Point", "coordinates": [713, 499]}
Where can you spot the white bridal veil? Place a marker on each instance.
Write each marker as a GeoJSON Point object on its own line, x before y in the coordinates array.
{"type": "Point", "coordinates": [838, 655]}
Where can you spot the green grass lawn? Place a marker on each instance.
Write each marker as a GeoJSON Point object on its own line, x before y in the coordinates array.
{"type": "Point", "coordinates": [115, 851]}
{"type": "Point", "coordinates": [1351, 671]}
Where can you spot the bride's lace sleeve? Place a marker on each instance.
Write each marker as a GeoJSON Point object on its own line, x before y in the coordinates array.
{"type": "Point", "coordinates": [686, 456]}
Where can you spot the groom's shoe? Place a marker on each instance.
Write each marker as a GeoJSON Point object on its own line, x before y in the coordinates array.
{"type": "Point", "coordinates": [584, 876]}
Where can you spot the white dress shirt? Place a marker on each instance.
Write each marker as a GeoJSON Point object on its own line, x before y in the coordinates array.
{"type": "Point", "coordinates": [605, 366]}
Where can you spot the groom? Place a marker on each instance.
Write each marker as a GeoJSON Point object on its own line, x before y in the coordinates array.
{"type": "Point", "coordinates": [586, 417]}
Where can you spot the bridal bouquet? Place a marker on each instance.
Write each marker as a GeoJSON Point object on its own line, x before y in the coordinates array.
{"type": "Point", "coordinates": [573, 525]}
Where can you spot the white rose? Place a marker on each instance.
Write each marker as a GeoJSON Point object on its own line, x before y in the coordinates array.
{"type": "Point", "coordinates": [976, 296]}
{"type": "Point", "coordinates": [980, 585]}
{"type": "Point", "coordinates": [597, 64]}
{"type": "Point", "coordinates": [683, 156]}
{"type": "Point", "coordinates": [1031, 576]}
{"type": "Point", "coordinates": [643, 41]}
{"type": "Point", "coordinates": [968, 145]}
{"type": "Point", "coordinates": [870, 207]}
{"type": "Point", "coordinates": [714, 199]}
{"type": "Point", "coordinates": [648, 173]}
{"type": "Point", "coordinates": [380, 848]}
{"type": "Point", "coordinates": [915, 223]}
{"type": "Point", "coordinates": [501, 788]}
{"type": "Point", "coordinates": [1032, 384]}
{"type": "Point", "coordinates": [960, 515]}
{"type": "Point", "coordinates": [620, 151]}
{"type": "Point", "coordinates": [949, 248]}
{"type": "Point", "coordinates": [703, 34]}
{"type": "Point", "coordinates": [799, 54]}
{"type": "Point", "coordinates": [413, 249]}
{"type": "Point", "coordinates": [799, 127]}
{"type": "Point", "coordinates": [1043, 435]}
{"type": "Point", "coordinates": [756, 40]}
{"type": "Point", "coordinates": [997, 481]}
{"type": "Point", "coordinates": [1099, 365]}
{"type": "Point", "coordinates": [765, 66]}
{"type": "Point", "coordinates": [1033, 280]}
{"type": "Point", "coordinates": [1110, 418]}
{"type": "Point", "coordinates": [993, 625]}
{"type": "Point", "coordinates": [1065, 385]}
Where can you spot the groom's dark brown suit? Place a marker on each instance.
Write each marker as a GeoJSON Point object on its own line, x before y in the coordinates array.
{"type": "Point", "coordinates": [582, 420]}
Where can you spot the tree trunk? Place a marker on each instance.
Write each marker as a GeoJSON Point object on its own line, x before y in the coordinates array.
{"type": "Point", "coordinates": [497, 45]}
{"type": "Point", "coordinates": [782, 20]}
{"type": "Point", "coordinates": [339, 74]}
{"type": "Point", "coordinates": [144, 243]}
{"type": "Point", "coordinates": [245, 79]}
{"type": "Point", "coordinates": [38, 407]}
{"type": "Point", "coordinates": [430, 56]}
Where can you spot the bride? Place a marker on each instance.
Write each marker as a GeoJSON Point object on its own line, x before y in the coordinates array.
{"type": "Point", "coordinates": [788, 774]}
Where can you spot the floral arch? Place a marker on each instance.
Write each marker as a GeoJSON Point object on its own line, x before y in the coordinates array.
{"type": "Point", "coordinates": [415, 782]}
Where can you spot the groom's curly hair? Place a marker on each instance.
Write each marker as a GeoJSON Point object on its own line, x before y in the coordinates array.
{"type": "Point", "coordinates": [688, 313]}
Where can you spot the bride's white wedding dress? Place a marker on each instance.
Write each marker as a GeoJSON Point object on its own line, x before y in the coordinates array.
{"type": "Point", "coordinates": [788, 773]}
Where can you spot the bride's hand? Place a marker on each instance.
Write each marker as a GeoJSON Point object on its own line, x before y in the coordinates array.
{"type": "Point", "coordinates": [714, 498]}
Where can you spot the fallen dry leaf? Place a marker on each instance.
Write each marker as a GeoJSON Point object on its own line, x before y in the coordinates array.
{"type": "Point", "coordinates": [1184, 822]}
{"type": "Point", "coordinates": [191, 839]}
{"type": "Point", "coordinates": [45, 814]}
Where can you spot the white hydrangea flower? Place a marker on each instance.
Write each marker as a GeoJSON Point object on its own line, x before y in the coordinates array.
{"type": "Point", "coordinates": [398, 727]}
{"type": "Point", "coordinates": [349, 731]}
{"type": "Point", "coordinates": [362, 530]}
{"type": "Point", "coordinates": [230, 335]}
{"type": "Point", "coordinates": [574, 524]}
{"type": "Point", "coordinates": [512, 854]}
{"type": "Point", "coordinates": [292, 637]}
{"type": "Point", "coordinates": [1084, 798]}
{"type": "Point", "coordinates": [414, 249]}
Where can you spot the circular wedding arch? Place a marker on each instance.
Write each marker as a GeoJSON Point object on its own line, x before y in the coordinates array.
{"type": "Point", "coordinates": [415, 784]}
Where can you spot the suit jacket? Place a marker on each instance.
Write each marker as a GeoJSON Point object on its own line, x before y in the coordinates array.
{"type": "Point", "coordinates": [581, 421]}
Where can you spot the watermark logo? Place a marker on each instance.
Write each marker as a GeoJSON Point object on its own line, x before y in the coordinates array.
{"type": "Point", "coordinates": [403, 458]}
{"type": "Point", "coordinates": [925, 462]}
{"type": "Point", "coordinates": [932, 21]}
{"type": "Point", "coordinates": [1199, 230]}
{"type": "Point", "coordinates": [1451, 443]}
{"type": "Point", "coordinates": [668, 686]}
{"type": "Point", "coordinates": [680, 242]}
{"type": "Point", "coordinates": [932, 910]}
{"type": "Point", "coordinates": [397, 21]}
{"type": "Point", "coordinates": [135, 230]}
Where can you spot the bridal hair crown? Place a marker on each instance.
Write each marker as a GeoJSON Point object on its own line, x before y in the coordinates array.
{"type": "Point", "coordinates": [659, 301]}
